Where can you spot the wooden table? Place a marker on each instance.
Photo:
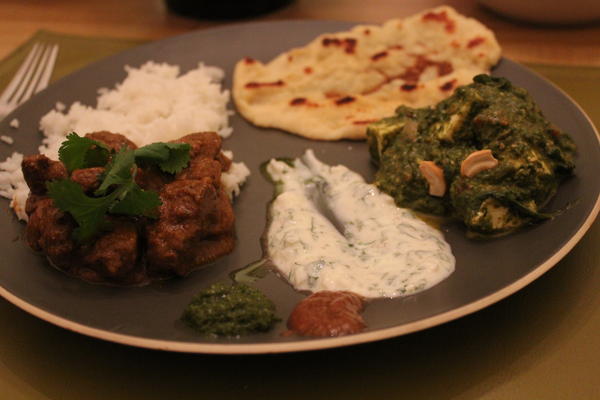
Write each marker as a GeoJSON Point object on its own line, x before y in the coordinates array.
{"type": "Point", "coordinates": [149, 19]}
{"type": "Point", "coordinates": [541, 342]}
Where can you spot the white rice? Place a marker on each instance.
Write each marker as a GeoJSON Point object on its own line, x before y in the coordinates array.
{"type": "Point", "coordinates": [233, 179]}
{"type": "Point", "coordinates": [155, 103]}
{"type": "Point", "coordinates": [7, 139]}
{"type": "Point", "coordinates": [14, 123]}
{"type": "Point", "coordinates": [12, 184]}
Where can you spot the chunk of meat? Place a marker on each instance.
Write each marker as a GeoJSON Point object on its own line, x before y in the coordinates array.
{"type": "Point", "coordinates": [206, 160]}
{"type": "Point", "coordinates": [202, 167]}
{"type": "Point", "coordinates": [113, 256]}
{"type": "Point", "coordinates": [213, 247]}
{"type": "Point", "coordinates": [203, 144]}
{"type": "Point", "coordinates": [195, 224]}
{"type": "Point", "coordinates": [39, 169]}
{"type": "Point", "coordinates": [32, 202]}
{"type": "Point", "coordinates": [192, 211]}
{"type": "Point", "coordinates": [49, 230]}
{"type": "Point", "coordinates": [115, 253]}
{"type": "Point", "coordinates": [225, 161]}
{"type": "Point", "coordinates": [327, 313]}
{"type": "Point", "coordinates": [88, 178]}
{"type": "Point", "coordinates": [225, 218]}
{"type": "Point", "coordinates": [114, 141]}
{"type": "Point", "coordinates": [151, 178]}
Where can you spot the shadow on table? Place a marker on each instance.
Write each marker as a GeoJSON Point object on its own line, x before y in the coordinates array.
{"type": "Point", "coordinates": [468, 357]}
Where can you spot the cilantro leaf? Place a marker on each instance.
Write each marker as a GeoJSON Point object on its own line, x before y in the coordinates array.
{"type": "Point", "coordinates": [179, 157]}
{"type": "Point", "coordinates": [88, 212]}
{"type": "Point", "coordinates": [137, 201]}
{"type": "Point", "coordinates": [80, 152]}
{"type": "Point", "coordinates": [118, 172]}
{"type": "Point", "coordinates": [170, 157]}
{"type": "Point", "coordinates": [152, 153]}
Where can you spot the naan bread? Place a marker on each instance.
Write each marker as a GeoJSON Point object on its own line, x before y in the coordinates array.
{"type": "Point", "coordinates": [334, 86]}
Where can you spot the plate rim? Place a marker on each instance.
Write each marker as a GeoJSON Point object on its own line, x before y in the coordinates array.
{"type": "Point", "coordinates": [310, 344]}
{"type": "Point", "coordinates": [316, 343]}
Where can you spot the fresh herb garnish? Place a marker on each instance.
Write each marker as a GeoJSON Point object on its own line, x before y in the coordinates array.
{"type": "Point", "coordinates": [170, 157]}
{"type": "Point", "coordinates": [88, 212]}
{"type": "Point", "coordinates": [80, 152]}
{"type": "Point", "coordinates": [118, 171]}
{"type": "Point", "coordinates": [137, 201]}
{"type": "Point", "coordinates": [118, 192]}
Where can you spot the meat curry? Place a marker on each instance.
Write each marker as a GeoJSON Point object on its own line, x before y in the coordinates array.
{"type": "Point", "coordinates": [193, 223]}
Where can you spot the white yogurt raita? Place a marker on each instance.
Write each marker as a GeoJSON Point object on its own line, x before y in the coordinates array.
{"type": "Point", "coordinates": [330, 230]}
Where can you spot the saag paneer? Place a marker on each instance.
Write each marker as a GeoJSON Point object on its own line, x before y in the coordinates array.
{"type": "Point", "coordinates": [486, 155]}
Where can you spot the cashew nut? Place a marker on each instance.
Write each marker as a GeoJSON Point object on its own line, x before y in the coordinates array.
{"type": "Point", "coordinates": [434, 175]}
{"type": "Point", "coordinates": [476, 162]}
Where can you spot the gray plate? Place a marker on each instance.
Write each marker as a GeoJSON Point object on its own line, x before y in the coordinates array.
{"type": "Point", "coordinates": [148, 317]}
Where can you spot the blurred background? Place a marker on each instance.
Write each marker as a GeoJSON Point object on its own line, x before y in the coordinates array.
{"type": "Point", "coordinates": [567, 41]}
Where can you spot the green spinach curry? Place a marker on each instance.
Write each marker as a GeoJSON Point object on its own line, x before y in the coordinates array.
{"type": "Point", "coordinates": [485, 155]}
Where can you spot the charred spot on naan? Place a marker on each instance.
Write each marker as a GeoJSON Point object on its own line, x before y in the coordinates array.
{"type": "Point", "coordinates": [344, 100]}
{"type": "Point", "coordinates": [347, 44]}
{"type": "Point", "coordinates": [364, 121]}
{"type": "Point", "coordinates": [297, 101]}
{"type": "Point", "coordinates": [414, 72]}
{"type": "Point", "coordinates": [476, 41]}
{"type": "Point", "coordinates": [448, 85]}
{"type": "Point", "coordinates": [379, 55]}
{"type": "Point", "coordinates": [255, 85]}
{"type": "Point", "coordinates": [408, 87]}
{"type": "Point", "coordinates": [442, 17]}
{"type": "Point", "coordinates": [302, 101]}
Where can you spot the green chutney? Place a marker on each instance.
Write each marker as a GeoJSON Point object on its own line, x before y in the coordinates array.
{"type": "Point", "coordinates": [230, 310]}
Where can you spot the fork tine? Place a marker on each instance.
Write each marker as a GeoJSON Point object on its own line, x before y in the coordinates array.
{"type": "Point", "coordinates": [35, 80]}
{"type": "Point", "coordinates": [48, 70]}
{"type": "Point", "coordinates": [10, 89]}
{"type": "Point", "coordinates": [28, 75]}
{"type": "Point", "coordinates": [31, 84]}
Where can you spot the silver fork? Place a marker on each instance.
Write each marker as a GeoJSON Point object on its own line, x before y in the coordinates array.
{"type": "Point", "coordinates": [33, 75]}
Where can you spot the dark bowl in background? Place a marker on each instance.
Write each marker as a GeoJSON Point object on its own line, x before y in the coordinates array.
{"type": "Point", "coordinates": [224, 9]}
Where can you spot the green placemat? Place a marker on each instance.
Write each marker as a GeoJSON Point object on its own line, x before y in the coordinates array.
{"type": "Point", "coordinates": [74, 53]}
{"type": "Point", "coordinates": [581, 83]}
